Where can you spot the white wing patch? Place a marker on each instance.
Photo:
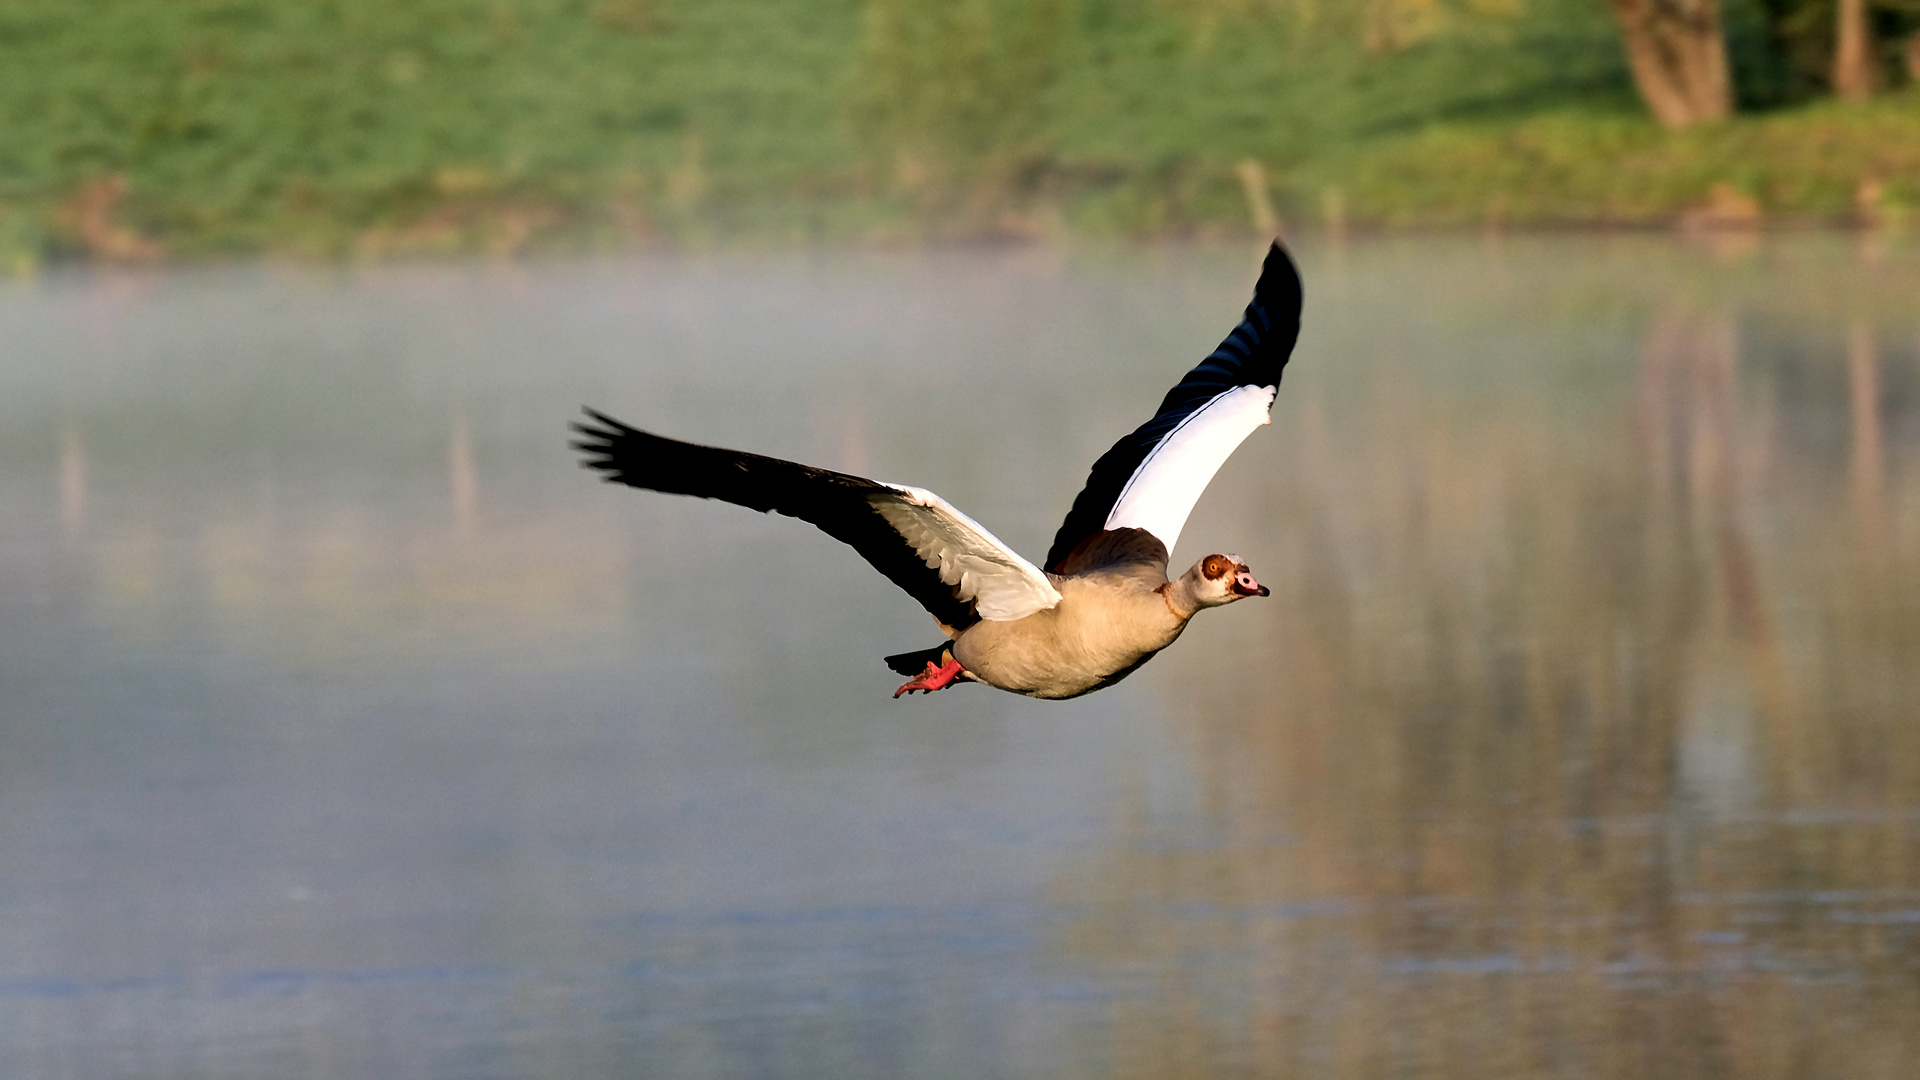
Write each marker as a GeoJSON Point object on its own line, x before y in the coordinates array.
{"type": "Point", "coordinates": [1002, 585]}
{"type": "Point", "coordinates": [1161, 492]}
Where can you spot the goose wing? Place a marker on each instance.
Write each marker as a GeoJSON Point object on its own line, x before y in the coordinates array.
{"type": "Point", "coordinates": [1151, 479]}
{"type": "Point", "coordinates": [957, 570]}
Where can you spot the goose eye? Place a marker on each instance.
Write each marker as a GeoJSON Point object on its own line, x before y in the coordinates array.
{"type": "Point", "coordinates": [1216, 567]}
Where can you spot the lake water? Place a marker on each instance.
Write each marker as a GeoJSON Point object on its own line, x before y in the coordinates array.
{"type": "Point", "coordinates": [347, 729]}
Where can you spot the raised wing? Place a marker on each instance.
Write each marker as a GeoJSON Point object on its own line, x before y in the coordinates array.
{"type": "Point", "coordinates": [1151, 479]}
{"type": "Point", "coordinates": [957, 570]}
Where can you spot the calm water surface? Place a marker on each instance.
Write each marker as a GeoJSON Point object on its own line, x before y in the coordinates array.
{"type": "Point", "coordinates": [348, 730]}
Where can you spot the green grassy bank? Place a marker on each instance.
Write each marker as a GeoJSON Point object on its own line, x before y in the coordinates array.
{"type": "Point", "coordinates": [1819, 164]}
{"type": "Point", "coordinates": [189, 128]}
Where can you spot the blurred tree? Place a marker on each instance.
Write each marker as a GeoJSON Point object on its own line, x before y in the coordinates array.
{"type": "Point", "coordinates": [1851, 48]}
{"type": "Point", "coordinates": [1678, 55]}
{"type": "Point", "coordinates": [1853, 67]}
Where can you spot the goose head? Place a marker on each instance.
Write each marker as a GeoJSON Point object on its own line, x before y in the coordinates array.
{"type": "Point", "coordinates": [1220, 579]}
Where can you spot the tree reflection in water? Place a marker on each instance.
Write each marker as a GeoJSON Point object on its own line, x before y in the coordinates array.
{"type": "Point", "coordinates": [1585, 745]}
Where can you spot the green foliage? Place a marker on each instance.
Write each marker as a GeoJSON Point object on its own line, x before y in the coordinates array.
{"type": "Point", "coordinates": [949, 98]}
{"type": "Point", "coordinates": [1130, 114]}
{"type": "Point", "coordinates": [247, 124]}
{"type": "Point", "coordinates": [329, 127]}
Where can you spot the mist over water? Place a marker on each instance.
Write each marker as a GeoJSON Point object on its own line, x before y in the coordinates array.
{"type": "Point", "coordinates": [348, 729]}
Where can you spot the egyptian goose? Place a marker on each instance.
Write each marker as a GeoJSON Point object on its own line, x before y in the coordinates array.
{"type": "Point", "coordinates": [1103, 605]}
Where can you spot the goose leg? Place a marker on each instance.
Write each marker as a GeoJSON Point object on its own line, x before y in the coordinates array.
{"type": "Point", "coordinates": [937, 677]}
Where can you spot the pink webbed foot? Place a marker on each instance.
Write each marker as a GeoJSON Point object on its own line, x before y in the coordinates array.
{"type": "Point", "coordinates": [937, 677]}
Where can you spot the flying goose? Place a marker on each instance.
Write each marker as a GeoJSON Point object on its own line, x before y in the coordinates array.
{"type": "Point", "coordinates": [1103, 605]}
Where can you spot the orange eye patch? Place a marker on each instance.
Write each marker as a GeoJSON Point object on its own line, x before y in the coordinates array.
{"type": "Point", "coordinates": [1216, 567]}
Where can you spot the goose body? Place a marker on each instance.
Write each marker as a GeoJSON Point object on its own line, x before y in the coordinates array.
{"type": "Point", "coordinates": [1107, 623]}
{"type": "Point", "coordinates": [1104, 603]}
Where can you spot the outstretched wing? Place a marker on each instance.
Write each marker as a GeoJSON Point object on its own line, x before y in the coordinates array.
{"type": "Point", "coordinates": [957, 570]}
{"type": "Point", "coordinates": [1151, 479]}
{"type": "Point", "coordinates": [970, 560]}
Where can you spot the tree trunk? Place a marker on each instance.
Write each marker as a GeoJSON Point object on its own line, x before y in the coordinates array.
{"type": "Point", "coordinates": [1853, 70]}
{"type": "Point", "coordinates": [1679, 58]}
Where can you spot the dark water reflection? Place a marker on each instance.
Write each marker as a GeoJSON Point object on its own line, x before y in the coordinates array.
{"type": "Point", "coordinates": [346, 730]}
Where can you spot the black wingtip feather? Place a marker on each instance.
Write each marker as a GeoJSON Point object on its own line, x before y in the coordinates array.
{"type": "Point", "coordinates": [1279, 283]}
{"type": "Point", "coordinates": [597, 445]}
